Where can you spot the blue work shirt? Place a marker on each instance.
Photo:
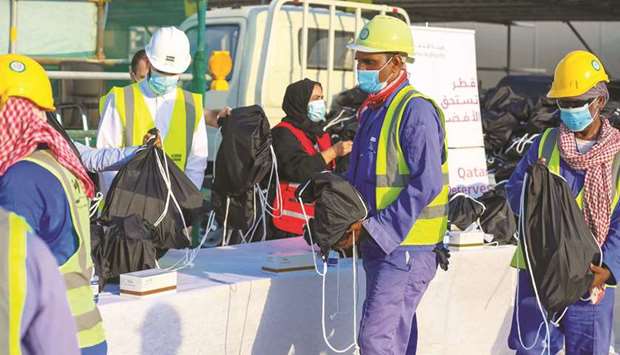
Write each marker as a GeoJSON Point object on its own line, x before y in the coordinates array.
{"type": "Point", "coordinates": [105, 159]}
{"type": "Point", "coordinates": [34, 193]}
{"type": "Point", "coordinates": [422, 142]}
{"type": "Point", "coordinates": [575, 180]}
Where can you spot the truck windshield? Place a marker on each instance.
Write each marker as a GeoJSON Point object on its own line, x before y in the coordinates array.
{"type": "Point", "coordinates": [217, 38]}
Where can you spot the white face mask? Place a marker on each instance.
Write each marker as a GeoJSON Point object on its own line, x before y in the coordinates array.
{"type": "Point", "coordinates": [316, 110]}
{"type": "Point", "coordinates": [162, 84]}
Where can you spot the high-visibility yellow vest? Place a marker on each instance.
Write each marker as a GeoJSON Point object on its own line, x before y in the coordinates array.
{"type": "Point", "coordinates": [78, 269]}
{"type": "Point", "coordinates": [393, 173]}
{"type": "Point", "coordinates": [137, 120]}
{"type": "Point", "coordinates": [548, 149]}
{"type": "Point", "coordinates": [13, 285]}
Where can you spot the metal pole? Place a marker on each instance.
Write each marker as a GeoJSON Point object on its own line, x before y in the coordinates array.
{"type": "Point", "coordinates": [200, 84]}
{"type": "Point", "coordinates": [304, 39]}
{"type": "Point", "coordinates": [91, 75]}
{"type": "Point", "coordinates": [331, 43]}
{"type": "Point", "coordinates": [100, 29]}
{"type": "Point", "coordinates": [508, 48]}
{"type": "Point", "coordinates": [200, 57]}
{"type": "Point", "coordinates": [13, 28]}
{"type": "Point", "coordinates": [579, 37]}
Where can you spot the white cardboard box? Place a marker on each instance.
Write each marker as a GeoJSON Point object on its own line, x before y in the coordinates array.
{"type": "Point", "coordinates": [459, 240]}
{"type": "Point", "coordinates": [290, 261]}
{"type": "Point", "coordinates": [148, 282]}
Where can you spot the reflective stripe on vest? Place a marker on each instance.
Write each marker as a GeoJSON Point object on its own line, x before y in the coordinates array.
{"type": "Point", "coordinates": [548, 149]}
{"type": "Point", "coordinates": [13, 285]}
{"type": "Point", "coordinates": [393, 173]}
{"type": "Point", "coordinates": [137, 120]}
{"type": "Point", "coordinates": [77, 270]}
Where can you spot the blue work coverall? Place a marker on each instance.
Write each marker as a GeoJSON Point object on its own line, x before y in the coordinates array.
{"type": "Point", "coordinates": [586, 328]}
{"type": "Point", "coordinates": [396, 276]}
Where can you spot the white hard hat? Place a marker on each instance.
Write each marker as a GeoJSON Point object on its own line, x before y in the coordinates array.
{"type": "Point", "coordinates": [168, 50]}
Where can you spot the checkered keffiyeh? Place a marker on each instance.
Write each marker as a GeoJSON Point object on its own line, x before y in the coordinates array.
{"type": "Point", "coordinates": [597, 163]}
{"type": "Point", "coordinates": [22, 130]}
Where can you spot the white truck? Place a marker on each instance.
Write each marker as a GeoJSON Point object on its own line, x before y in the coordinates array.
{"type": "Point", "coordinates": [274, 45]}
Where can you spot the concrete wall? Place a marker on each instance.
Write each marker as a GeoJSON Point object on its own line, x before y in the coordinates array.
{"type": "Point", "coordinates": [540, 45]}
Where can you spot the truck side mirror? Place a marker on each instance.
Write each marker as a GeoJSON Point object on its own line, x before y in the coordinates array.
{"type": "Point", "coordinates": [220, 65]}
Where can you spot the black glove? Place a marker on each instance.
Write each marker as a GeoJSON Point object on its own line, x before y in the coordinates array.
{"type": "Point", "coordinates": [443, 256]}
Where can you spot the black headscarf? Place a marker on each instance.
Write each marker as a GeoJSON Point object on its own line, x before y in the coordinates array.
{"type": "Point", "coordinates": [295, 105]}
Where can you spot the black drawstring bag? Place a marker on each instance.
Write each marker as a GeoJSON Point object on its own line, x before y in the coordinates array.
{"type": "Point", "coordinates": [557, 244]}
{"type": "Point", "coordinates": [243, 160]}
{"type": "Point", "coordinates": [498, 218]}
{"type": "Point", "coordinates": [504, 99]}
{"type": "Point", "coordinates": [545, 114]}
{"type": "Point", "coordinates": [337, 205]}
{"type": "Point", "coordinates": [498, 128]}
{"type": "Point", "coordinates": [244, 156]}
{"type": "Point", "coordinates": [126, 246]}
{"type": "Point", "coordinates": [140, 189]}
{"type": "Point", "coordinates": [464, 210]}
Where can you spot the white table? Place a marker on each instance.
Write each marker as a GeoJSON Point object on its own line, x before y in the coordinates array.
{"type": "Point", "coordinates": [227, 305]}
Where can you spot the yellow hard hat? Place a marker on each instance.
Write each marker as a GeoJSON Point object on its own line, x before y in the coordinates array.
{"type": "Point", "coordinates": [21, 76]}
{"type": "Point", "coordinates": [384, 34]}
{"type": "Point", "coordinates": [575, 74]}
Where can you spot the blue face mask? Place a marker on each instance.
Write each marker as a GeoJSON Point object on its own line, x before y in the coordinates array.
{"type": "Point", "coordinates": [316, 111]}
{"type": "Point", "coordinates": [162, 84]}
{"type": "Point", "coordinates": [576, 119]}
{"type": "Point", "coordinates": [368, 80]}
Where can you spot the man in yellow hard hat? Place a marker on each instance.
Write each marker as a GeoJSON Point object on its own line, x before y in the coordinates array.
{"type": "Point", "coordinates": [585, 151]}
{"type": "Point", "coordinates": [43, 180]}
{"type": "Point", "coordinates": [399, 165]}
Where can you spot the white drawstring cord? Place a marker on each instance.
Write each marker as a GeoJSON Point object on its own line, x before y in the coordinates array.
{"type": "Point", "coordinates": [190, 256]}
{"type": "Point", "coordinates": [520, 144]}
{"type": "Point", "coordinates": [94, 206]}
{"type": "Point", "coordinates": [353, 345]}
{"type": "Point", "coordinates": [265, 207]}
{"type": "Point", "coordinates": [323, 275]}
{"type": "Point", "coordinates": [337, 120]}
{"type": "Point", "coordinates": [225, 240]}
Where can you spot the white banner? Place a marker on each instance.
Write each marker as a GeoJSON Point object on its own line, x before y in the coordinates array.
{"type": "Point", "coordinates": [445, 69]}
{"type": "Point", "coordinates": [468, 171]}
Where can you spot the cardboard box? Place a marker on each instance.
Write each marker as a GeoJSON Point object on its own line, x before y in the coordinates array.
{"type": "Point", "coordinates": [459, 240]}
{"type": "Point", "coordinates": [290, 261]}
{"type": "Point", "coordinates": [148, 282]}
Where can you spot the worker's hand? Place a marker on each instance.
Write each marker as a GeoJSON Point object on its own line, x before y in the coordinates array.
{"type": "Point", "coordinates": [343, 148]}
{"type": "Point", "coordinates": [542, 161]}
{"type": "Point", "coordinates": [442, 254]}
{"type": "Point", "coordinates": [601, 275]}
{"type": "Point", "coordinates": [148, 137]}
{"type": "Point", "coordinates": [213, 118]}
{"type": "Point", "coordinates": [225, 112]}
{"type": "Point", "coordinates": [354, 234]}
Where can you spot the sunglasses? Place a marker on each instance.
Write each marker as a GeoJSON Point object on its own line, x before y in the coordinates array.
{"type": "Point", "coordinates": [568, 104]}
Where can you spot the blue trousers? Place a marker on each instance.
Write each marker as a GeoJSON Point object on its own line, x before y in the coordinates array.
{"type": "Point", "coordinates": [585, 328]}
{"type": "Point", "coordinates": [395, 284]}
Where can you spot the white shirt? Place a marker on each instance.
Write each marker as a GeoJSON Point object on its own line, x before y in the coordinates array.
{"type": "Point", "coordinates": [110, 134]}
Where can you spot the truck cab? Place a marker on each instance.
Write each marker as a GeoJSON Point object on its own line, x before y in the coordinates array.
{"type": "Point", "coordinates": [274, 45]}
